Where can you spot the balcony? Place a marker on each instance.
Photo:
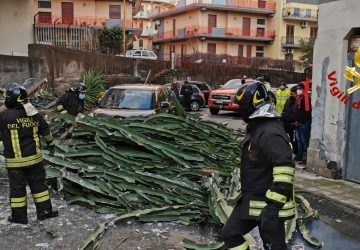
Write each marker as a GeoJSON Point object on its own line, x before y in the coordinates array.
{"type": "Point", "coordinates": [300, 14]}
{"type": "Point", "coordinates": [292, 42]}
{"type": "Point", "coordinates": [143, 15]}
{"type": "Point", "coordinates": [204, 32]}
{"type": "Point", "coordinates": [85, 21]}
{"type": "Point", "coordinates": [246, 6]}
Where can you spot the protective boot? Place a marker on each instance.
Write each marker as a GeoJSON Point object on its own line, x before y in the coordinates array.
{"type": "Point", "coordinates": [18, 221]}
{"type": "Point", "coordinates": [47, 215]}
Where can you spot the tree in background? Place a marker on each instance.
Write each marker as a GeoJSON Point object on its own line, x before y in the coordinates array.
{"type": "Point", "coordinates": [111, 40]}
{"type": "Point", "coordinates": [307, 52]}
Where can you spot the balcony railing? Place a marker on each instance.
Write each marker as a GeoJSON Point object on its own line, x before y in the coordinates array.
{"type": "Point", "coordinates": [292, 42]}
{"type": "Point", "coordinates": [300, 14]}
{"type": "Point", "coordinates": [86, 21]}
{"type": "Point", "coordinates": [250, 6]}
{"type": "Point", "coordinates": [218, 32]}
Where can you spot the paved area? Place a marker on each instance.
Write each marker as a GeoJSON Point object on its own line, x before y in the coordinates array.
{"type": "Point", "coordinates": [344, 192]}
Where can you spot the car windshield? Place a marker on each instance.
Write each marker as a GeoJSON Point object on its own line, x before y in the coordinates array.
{"type": "Point", "coordinates": [232, 84]}
{"type": "Point", "coordinates": [129, 99]}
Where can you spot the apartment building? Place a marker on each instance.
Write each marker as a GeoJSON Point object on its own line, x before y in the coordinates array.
{"type": "Point", "coordinates": [145, 40]}
{"type": "Point", "coordinates": [244, 28]}
{"type": "Point", "coordinates": [294, 20]}
{"type": "Point", "coordinates": [236, 28]}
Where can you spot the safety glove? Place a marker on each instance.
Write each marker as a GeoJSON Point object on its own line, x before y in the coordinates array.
{"type": "Point", "coordinates": [269, 218]}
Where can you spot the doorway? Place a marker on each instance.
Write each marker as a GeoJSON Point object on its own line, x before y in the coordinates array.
{"type": "Point", "coordinates": [212, 20]}
{"type": "Point", "coordinates": [246, 26]}
{"type": "Point", "coordinates": [67, 12]}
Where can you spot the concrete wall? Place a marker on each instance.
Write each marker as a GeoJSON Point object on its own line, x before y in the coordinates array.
{"type": "Point", "coordinates": [326, 154]}
{"type": "Point", "coordinates": [63, 66]}
{"type": "Point", "coordinates": [18, 69]}
{"type": "Point", "coordinates": [16, 20]}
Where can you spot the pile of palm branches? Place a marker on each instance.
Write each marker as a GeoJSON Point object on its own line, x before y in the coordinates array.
{"type": "Point", "coordinates": [94, 82]}
{"type": "Point", "coordinates": [153, 168]}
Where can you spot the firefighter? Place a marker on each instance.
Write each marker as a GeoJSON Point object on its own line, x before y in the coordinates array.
{"type": "Point", "coordinates": [267, 174]}
{"type": "Point", "coordinates": [72, 102]}
{"type": "Point", "coordinates": [20, 129]}
{"type": "Point", "coordinates": [282, 94]}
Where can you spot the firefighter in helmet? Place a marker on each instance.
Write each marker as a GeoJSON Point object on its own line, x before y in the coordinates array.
{"type": "Point", "coordinates": [21, 127]}
{"type": "Point", "coordinates": [72, 102]}
{"type": "Point", "coordinates": [267, 174]}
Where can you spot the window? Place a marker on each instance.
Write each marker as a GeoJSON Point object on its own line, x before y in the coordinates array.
{"type": "Point", "coordinates": [260, 32]}
{"type": "Point", "coordinates": [211, 48]}
{"type": "Point", "coordinates": [137, 53]}
{"type": "Point", "coordinates": [152, 54]}
{"type": "Point", "coordinates": [308, 12]}
{"type": "Point", "coordinates": [44, 4]}
{"type": "Point", "coordinates": [297, 12]}
{"type": "Point", "coordinates": [141, 43]}
{"type": "Point", "coordinates": [261, 21]}
{"type": "Point", "coordinates": [115, 11]}
{"type": "Point", "coordinates": [259, 51]}
{"type": "Point", "coordinates": [129, 99]}
{"type": "Point", "coordinates": [261, 3]}
{"type": "Point", "coordinates": [313, 32]}
{"type": "Point", "coordinates": [144, 53]}
{"type": "Point", "coordinates": [44, 17]}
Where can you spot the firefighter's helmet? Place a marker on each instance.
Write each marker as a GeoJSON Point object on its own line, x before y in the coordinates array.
{"type": "Point", "coordinates": [251, 97]}
{"type": "Point", "coordinates": [15, 96]}
{"type": "Point", "coordinates": [81, 87]}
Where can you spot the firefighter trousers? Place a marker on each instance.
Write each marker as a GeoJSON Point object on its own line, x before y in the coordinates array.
{"type": "Point", "coordinates": [236, 227]}
{"type": "Point", "coordinates": [34, 175]}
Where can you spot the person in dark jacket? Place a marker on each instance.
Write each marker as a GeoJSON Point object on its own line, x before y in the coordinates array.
{"type": "Point", "coordinates": [175, 87]}
{"type": "Point", "coordinates": [288, 117]}
{"type": "Point", "coordinates": [72, 102]}
{"type": "Point", "coordinates": [21, 127]}
{"type": "Point", "coordinates": [187, 92]}
{"type": "Point", "coordinates": [267, 174]}
{"type": "Point", "coordinates": [303, 121]}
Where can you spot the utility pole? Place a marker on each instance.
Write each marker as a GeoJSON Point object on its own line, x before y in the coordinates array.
{"type": "Point", "coordinates": [124, 27]}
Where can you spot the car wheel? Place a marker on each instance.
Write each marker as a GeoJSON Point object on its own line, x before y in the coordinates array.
{"type": "Point", "coordinates": [214, 111]}
{"type": "Point", "coordinates": [194, 106]}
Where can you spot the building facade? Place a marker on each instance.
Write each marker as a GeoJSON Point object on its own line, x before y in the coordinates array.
{"type": "Point", "coordinates": [239, 28]}
{"type": "Point", "coordinates": [295, 20]}
{"type": "Point", "coordinates": [247, 28]}
{"type": "Point", "coordinates": [76, 16]}
{"type": "Point", "coordinates": [335, 144]}
{"type": "Point", "coordinates": [16, 27]}
{"type": "Point", "coordinates": [145, 39]}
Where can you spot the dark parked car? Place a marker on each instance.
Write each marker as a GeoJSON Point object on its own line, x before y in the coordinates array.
{"type": "Point", "coordinates": [203, 86]}
{"type": "Point", "coordinates": [197, 98]}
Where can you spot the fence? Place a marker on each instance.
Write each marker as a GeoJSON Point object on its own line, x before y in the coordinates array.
{"type": "Point", "coordinates": [227, 61]}
{"type": "Point", "coordinates": [67, 36]}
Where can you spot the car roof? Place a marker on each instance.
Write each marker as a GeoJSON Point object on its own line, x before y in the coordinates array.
{"type": "Point", "coordinates": [137, 86]}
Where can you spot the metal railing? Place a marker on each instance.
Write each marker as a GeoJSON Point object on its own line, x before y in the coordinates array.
{"type": "Point", "coordinates": [248, 5]}
{"type": "Point", "coordinates": [300, 14]}
{"type": "Point", "coordinates": [218, 32]}
{"type": "Point", "coordinates": [74, 37]}
{"type": "Point", "coordinates": [288, 41]}
{"type": "Point", "coordinates": [82, 21]}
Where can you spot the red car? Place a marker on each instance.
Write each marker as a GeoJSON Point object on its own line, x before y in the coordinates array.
{"type": "Point", "coordinates": [223, 98]}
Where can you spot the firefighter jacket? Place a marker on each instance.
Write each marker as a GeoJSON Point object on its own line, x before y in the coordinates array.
{"type": "Point", "coordinates": [267, 169]}
{"type": "Point", "coordinates": [71, 103]}
{"type": "Point", "coordinates": [20, 135]}
{"type": "Point", "coordinates": [281, 97]}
